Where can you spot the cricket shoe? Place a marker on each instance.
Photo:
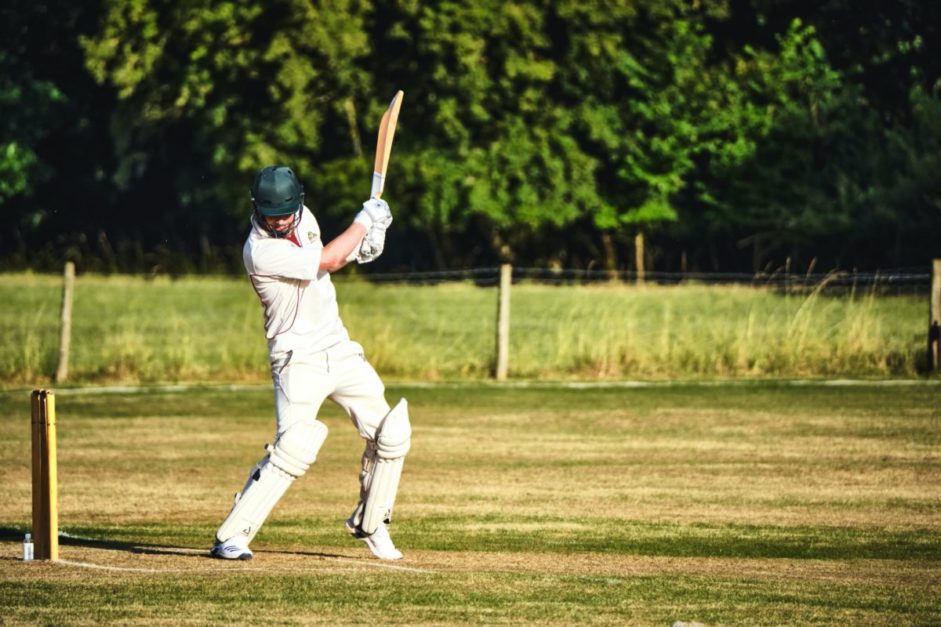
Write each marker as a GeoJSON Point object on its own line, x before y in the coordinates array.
{"type": "Point", "coordinates": [235, 548]}
{"type": "Point", "coordinates": [380, 543]}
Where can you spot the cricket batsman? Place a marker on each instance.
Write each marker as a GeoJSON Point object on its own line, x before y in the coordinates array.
{"type": "Point", "coordinates": [313, 358]}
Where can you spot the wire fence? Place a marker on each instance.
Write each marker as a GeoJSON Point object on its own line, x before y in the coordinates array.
{"type": "Point", "coordinates": [903, 281]}
{"type": "Point", "coordinates": [892, 282]}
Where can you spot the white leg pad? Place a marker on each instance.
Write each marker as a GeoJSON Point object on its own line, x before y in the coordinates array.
{"type": "Point", "coordinates": [290, 457]}
{"type": "Point", "coordinates": [382, 490]}
{"type": "Point", "coordinates": [382, 470]}
{"type": "Point", "coordinates": [264, 489]}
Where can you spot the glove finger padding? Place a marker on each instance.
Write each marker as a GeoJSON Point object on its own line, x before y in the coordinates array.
{"type": "Point", "coordinates": [375, 211]}
{"type": "Point", "coordinates": [372, 245]}
{"type": "Point", "coordinates": [375, 217]}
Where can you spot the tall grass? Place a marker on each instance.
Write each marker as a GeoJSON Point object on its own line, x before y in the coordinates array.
{"type": "Point", "coordinates": [694, 331]}
{"type": "Point", "coordinates": [210, 329]}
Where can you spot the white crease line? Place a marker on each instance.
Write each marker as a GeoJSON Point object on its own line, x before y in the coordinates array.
{"type": "Point", "coordinates": [406, 569]}
{"type": "Point", "coordinates": [173, 550]}
{"type": "Point", "coordinates": [116, 568]}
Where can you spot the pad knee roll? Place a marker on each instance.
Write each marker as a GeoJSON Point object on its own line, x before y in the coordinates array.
{"type": "Point", "coordinates": [395, 433]}
{"type": "Point", "coordinates": [297, 447]}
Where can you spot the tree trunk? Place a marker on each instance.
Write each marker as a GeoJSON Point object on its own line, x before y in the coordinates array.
{"type": "Point", "coordinates": [501, 248]}
{"type": "Point", "coordinates": [610, 252]}
{"type": "Point", "coordinates": [350, 109]}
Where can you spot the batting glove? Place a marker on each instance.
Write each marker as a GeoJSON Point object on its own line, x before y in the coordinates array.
{"type": "Point", "coordinates": [374, 211]}
{"type": "Point", "coordinates": [372, 245]}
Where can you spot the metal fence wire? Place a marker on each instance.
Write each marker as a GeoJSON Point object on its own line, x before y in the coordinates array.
{"type": "Point", "coordinates": [904, 281]}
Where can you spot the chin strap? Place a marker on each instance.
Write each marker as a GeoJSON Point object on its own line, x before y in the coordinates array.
{"type": "Point", "coordinates": [261, 222]}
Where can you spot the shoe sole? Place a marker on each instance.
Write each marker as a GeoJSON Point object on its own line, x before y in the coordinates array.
{"type": "Point", "coordinates": [240, 558]}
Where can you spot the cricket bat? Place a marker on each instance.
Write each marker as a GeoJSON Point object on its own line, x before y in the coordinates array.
{"type": "Point", "coordinates": [384, 144]}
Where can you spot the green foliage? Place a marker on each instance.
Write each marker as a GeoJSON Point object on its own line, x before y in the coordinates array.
{"type": "Point", "coordinates": [28, 104]}
{"type": "Point", "coordinates": [531, 130]}
{"type": "Point", "coordinates": [658, 128]}
{"type": "Point", "coordinates": [15, 168]}
{"type": "Point", "coordinates": [915, 190]}
{"type": "Point", "coordinates": [810, 161]}
{"type": "Point", "coordinates": [255, 84]}
{"type": "Point", "coordinates": [494, 143]}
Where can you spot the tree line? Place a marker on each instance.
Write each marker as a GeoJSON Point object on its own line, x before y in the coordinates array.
{"type": "Point", "coordinates": [707, 134]}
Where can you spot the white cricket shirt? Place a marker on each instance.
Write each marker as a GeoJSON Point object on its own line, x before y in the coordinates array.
{"type": "Point", "coordinates": [300, 302]}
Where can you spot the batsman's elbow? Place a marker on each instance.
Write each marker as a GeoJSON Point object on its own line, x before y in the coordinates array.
{"type": "Point", "coordinates": [331, 262]}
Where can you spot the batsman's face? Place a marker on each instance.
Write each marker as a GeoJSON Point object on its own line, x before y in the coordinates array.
{"type": "Point", "coordinates": [282, 225]}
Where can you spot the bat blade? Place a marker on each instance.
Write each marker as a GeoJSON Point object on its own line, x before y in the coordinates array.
{"type": "Point", "coordinates": [384, 144]}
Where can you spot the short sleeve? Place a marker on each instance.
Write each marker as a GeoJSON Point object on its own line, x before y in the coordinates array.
{"type": "Point", "coordinates": [282, 258]}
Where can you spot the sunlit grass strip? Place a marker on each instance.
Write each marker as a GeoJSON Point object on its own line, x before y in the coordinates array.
{"type": "Point", "coordinates": [494, 533]}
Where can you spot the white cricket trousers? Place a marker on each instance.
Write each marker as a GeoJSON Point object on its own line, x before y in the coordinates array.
{"type": "Point", "coordinates": [341, 373]}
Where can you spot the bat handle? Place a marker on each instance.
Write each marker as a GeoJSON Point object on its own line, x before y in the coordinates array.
{"type": "Point", "coordinates": [378, 182]}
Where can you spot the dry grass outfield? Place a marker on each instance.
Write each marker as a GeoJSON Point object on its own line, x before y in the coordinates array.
{"type": "Point", "coordinates": [79, 560]}
{"type": "Point", "coordinates": [724, 504]}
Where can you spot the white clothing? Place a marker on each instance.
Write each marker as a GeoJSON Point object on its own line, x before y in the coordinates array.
{"type": "Point", "coordinates": [312, 357]}
{"type": "Point", "coordinates": [300, 302]}
{"type": "Point", "coordinates": [341, 373]}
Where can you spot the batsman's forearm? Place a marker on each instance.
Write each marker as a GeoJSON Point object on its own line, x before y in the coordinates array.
{"type": "Point", "coordinates": [336, 253]}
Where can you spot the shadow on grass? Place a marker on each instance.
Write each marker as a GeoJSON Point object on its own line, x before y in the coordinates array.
{"type": "Point", "coordinates": [144, 548]}
{"type": "Point", "coordinates": [141, 548]}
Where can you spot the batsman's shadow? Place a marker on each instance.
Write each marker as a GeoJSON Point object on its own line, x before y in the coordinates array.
{"type": "Point", "coordinates": [144, 548]}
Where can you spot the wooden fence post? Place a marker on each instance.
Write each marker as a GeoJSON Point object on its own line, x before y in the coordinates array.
{"type": "Point", "coordinates": [934, 324]}
{"type": "Point", "coordinates": [65, 332]}
{"type": "Point", "coordinates": [639, 260]}
{"type": "Point", "coordinates": [503, 322]}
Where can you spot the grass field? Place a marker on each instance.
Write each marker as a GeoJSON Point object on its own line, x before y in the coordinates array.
{"type": "Point", "coordinates": [739, 503]}
{"type": "Point", "coordinates": [130, 329]}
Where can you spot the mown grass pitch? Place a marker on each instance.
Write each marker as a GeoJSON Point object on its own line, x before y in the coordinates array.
{"type": "Point", "coordinates": [726, 503]}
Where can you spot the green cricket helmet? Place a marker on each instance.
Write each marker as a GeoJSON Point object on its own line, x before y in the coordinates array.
{"type": "Point", "coordinates": [277, 192]}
